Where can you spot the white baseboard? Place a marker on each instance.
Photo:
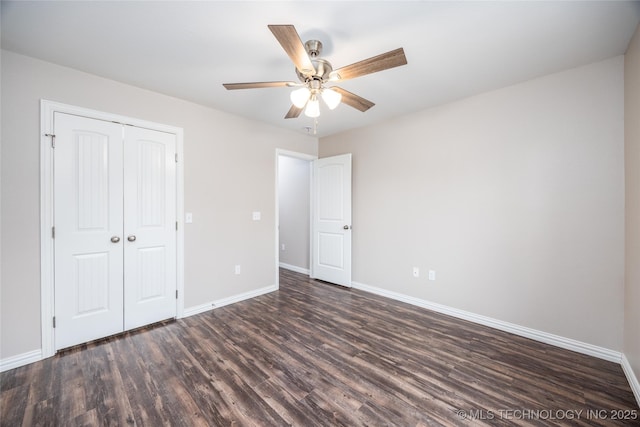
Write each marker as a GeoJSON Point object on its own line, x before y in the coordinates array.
{"type": "Point", "coordinates": [226, 301]}
{"type": "Point", "coordinates": [20, 360]}
{"type": "Point", "coordinates": [631, 377]}
{"type": "Point", "coordinates": [558, 341]}
{"type": "Point", "coordinates": [294, 268]}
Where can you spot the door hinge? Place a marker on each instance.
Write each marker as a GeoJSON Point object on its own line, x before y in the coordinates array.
{"type": "Point", "coordinates": [176, 157]}
{"type": "Point", "coordinates": [53, 232]}
{"type": "Point", "coordinates": [176, 294]}
{"type": "Point", "coordinates": [54, 321]}
{"type": "Point", "coordinates": [176, 225]}
{"type": "Point", "coordinates": [53, 139]}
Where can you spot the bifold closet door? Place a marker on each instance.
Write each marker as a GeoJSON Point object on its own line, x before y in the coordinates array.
{"type": "Point", "coordinates": [115, 228]}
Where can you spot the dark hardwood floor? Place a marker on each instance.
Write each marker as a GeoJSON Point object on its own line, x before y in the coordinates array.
{"type": "Point", "coordinates": [317, 354]}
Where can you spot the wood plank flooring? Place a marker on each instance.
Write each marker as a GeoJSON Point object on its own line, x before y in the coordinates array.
{"type": "Point", "coordinates": [314, 354]}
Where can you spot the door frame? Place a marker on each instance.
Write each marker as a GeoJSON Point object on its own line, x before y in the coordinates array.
{"type": "Point", "coordinates": [47, 302]}
{"type": "Point", "coordinates": [302, 156]}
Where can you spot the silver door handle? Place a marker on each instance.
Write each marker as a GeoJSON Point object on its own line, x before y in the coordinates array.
{"type": "Point", "coordinates": [131, 238]}
{"type": "Point", "coordinates": [346, 227]}
{"type": "Point", "coordinates": [115, 239]}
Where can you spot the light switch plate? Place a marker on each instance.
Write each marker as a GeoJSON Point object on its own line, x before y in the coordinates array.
{"type": "Point", "coordinates": [188, 217]}
{"type": "Point", "coordinates": [256, 216]}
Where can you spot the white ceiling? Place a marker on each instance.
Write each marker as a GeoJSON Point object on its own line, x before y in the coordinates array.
{"type": "Point", "coordinates": [188, 49]}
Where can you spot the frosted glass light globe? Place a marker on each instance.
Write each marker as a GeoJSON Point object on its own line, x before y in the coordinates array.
{"type": "Point", "coordinates": [331, 98]}
{"type": "Point", "coordinates": [299, 97]}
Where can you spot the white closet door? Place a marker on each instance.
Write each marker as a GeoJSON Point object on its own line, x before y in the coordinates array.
{"type": "Point", "coordinates": [149, 226]}
{"type": "Point", "coordinates": [88, 229]}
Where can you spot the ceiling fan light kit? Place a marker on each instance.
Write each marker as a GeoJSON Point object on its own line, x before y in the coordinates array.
{"type": "Point", "coordinates": [313, 107]}
{"type": "Point", "coordinates": [331, 98]}
{"type": "Point", "coordinates": [299, 97]}
{"type": "Point", "coordinates": [314, 72]}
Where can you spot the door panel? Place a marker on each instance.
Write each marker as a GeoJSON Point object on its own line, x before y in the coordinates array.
{"type": "Point", "coordinates": [332, 220]}
{"type": "Point", "coordinates": [330, 191]}
{"type": "Point", "coordinates": [88, 213]}
{"type": "Point", "coordinates": [150, 218]}
{"type": "Point", "coordinates": [331, 253]}
{"type": "Point", "coordinates": [152, 277]}
{"type": "Point", "coordinates": [91, 283]}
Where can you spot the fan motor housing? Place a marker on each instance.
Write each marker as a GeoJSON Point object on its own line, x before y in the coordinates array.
{"type": "Point", "coordinates": [323, 69]}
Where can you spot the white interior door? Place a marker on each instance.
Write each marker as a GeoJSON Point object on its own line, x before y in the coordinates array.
{"type": "Point", "coordinates": [88, 229]}
{"type": "Point", "coordinates": [115, 228]}
{"type": "Point", "coordinates": [149, 226]}
{"type": "Point", "coordinates": [331, 246]}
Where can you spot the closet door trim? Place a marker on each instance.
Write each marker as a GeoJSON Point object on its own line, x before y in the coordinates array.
{"type": "Point", "coordinates": [47, 110]}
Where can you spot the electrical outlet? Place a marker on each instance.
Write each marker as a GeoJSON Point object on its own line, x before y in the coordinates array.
{"type": "Point", "coordinates": [237, 269]}
{"type": "Point", "coordinates": [432, 275]}
{"type": "Point", "coordinates": [416, 272]}
{"type": "Point", "coordinates": [256, 216]}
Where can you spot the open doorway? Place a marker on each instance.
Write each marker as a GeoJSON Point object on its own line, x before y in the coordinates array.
{"type": "Point", "coordinates": [293, 201]}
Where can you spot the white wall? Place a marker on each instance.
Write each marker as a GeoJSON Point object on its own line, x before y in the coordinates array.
{"type": "Point", "coordinates": [514, 197]}
{"type": "Point", "coordinates": [632, 188]}
{"type": "Point", "coordinates": [294, 200]}
{"type": "Point", "coordinates": [229, 165]}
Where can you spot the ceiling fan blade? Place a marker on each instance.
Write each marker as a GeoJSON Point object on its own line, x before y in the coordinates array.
{"type": "Point", "coordinates": [391, 59]}
{"type": "Point", "coordinates": [257, 85]}
{"type": "Point", "coordinates": [353, 100]}
{"type": "Point", "coordinates": [293, 112]}
{"type": "Point", "coordinates": [290, 41]}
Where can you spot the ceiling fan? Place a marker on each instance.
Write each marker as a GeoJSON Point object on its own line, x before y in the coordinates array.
{"type": "Point", "coordinates": [314, 72]}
